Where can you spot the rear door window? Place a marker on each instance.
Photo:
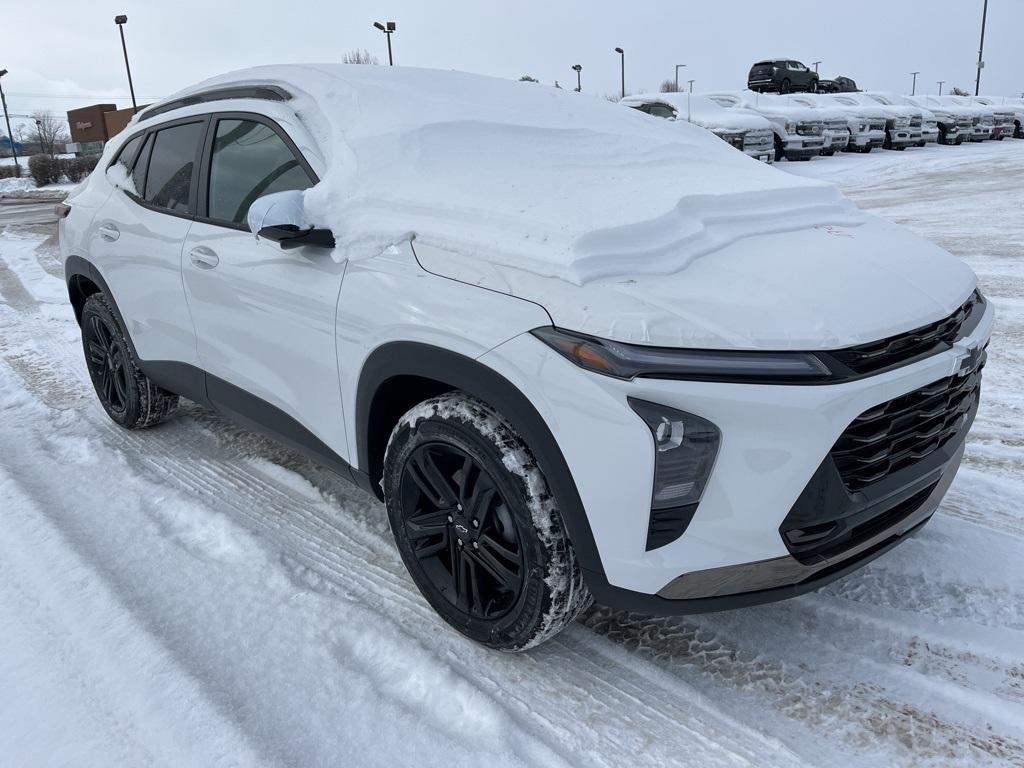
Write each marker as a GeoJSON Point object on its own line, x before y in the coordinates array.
{"type": "Point", "coordinates": [172, 163]}
{"type": "Point", "coordinates": [249, 160]}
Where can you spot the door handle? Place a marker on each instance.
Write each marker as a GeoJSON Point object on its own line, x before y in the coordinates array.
{"type": "Point", "coordinates": [109, 232]}
{"type": "Point", "coordinates": [203, 257]}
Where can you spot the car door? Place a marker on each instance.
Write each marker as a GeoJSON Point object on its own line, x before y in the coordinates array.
{"type": "Point", "coordinates": [137, 237]}
{"type": "Point", "coordinates": [265, 317]}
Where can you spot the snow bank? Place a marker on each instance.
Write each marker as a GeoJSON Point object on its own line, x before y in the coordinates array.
{"type": "Point", "coordinates": [555, 182]}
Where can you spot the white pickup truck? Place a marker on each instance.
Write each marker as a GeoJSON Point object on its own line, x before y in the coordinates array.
{"type": "Point", "coordinates": [799, 131]}
{"type": "Point", "coordinates": [747, 131]}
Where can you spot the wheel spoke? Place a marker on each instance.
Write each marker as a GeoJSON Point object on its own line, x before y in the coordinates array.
{"type": "Point", "coordinates": [427, 524]}
{"type": "Point", "coordinates": [97, 355]}
{"type": "Point", "coordinates": [432, 483]}
{"type": "Point", "coordinates": [428, 551]}
{"type": "Point", "coordinates": [476, 604]}
{"type": "Point", "coordinates": [496, 568]}
{"type": "Point", "coordinates": [455, 559]}
{"type": "Point", "coordinates": [120, 386]}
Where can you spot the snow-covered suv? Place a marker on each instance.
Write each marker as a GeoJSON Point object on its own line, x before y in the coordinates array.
{"type": "Point", "coordinates": [747, 131]}
{"type": "Point", "coordinates": [579, 353]}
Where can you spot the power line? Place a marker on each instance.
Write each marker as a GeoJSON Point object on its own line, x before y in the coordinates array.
{"type": "Point", "coordinates": [75, 96]}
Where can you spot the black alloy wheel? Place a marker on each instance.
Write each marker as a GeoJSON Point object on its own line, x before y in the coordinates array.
{"type": "Point", "coordinates": [107, 363]}
{"type": "Point", "coordinates": [462, 532]}
{"type": "Point", "coordinates": [785, 87]}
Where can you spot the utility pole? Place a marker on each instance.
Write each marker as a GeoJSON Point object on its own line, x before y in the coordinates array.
{"type": "Point", "coordinates": [913, 86]}
{"type": "Point", "coordinates": [816, 63]}
{"type": "Point", "coordinates": [388, 29]}
{"type": "Point", "coordinates": [121, 21]}
{"type": "Point", "coordinates": [981, 48]}
{"type": "Point", "coordinates": [622, 56]}
{"type": "Point", "coordinates": [940, 82]}
{"type": "Point", "coordinates": [677, 75]}
{"type": "Point", "coordinates": [578, 69]}
{"type": "Point", "coordinates": [10, 136]}
{"type": "Point", "coordinates": [691, 85]}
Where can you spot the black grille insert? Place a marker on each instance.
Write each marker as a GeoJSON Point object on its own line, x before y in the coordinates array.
{"type": "Point", "coordinates": [901, 349]}
{"type": "Point", "coordinates": [901, 432]}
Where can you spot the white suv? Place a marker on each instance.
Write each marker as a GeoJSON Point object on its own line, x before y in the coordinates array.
{"type": "Point", "coordinates": [579, 353]}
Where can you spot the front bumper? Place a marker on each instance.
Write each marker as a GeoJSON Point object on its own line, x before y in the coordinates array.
{"type": "Point", "coordinates": [775, 439]}
{"type": "Point", "coordinates": [872, 138]}
{"type": "Point", "coordinates": [804, 146]}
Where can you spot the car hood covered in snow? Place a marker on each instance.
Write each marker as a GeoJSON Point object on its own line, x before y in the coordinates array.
{"type": "Point", "coordinates": [619, 225]}
{"type": "Point", "coordinates": [518, 174]}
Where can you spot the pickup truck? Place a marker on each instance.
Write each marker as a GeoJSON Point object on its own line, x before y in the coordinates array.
{"type": "Point", "coordinates": [799, 131]}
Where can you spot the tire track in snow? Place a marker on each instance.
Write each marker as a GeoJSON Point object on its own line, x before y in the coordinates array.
{"type": "Point", "coordinates": [191, 460]}
{"type": "Point", "coordinates": [333, 572]}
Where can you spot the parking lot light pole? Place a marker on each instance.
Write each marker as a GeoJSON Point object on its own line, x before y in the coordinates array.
{"type": "Point", "coordinates": [816, 63]}
{"type": "Point", "coordinates": [677, 75]}
{"type": "Point", "coordinates": [578, 69]}
{"type": "Point", "coordinates": [121, 21]}
{"type": "Point", "coordinates": [940, 82]}
{"type": "Point", "coordinates": [10, 136]}
{"type": "Point", "coordinates": [388, 29]}
{"type": "Point", "coordinates": [622, 57]}
{"type": "Point", "coordinates": [913, 85]}
{"type": "Point", "coordinates": [691, 85]}
{"type": "Point", "coordinates": [981, 49]}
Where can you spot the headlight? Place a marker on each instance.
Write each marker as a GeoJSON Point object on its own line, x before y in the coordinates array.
{"type": "Point", "coordinates": [790, 127]}
{"type": "Point", "coordinates": [736, 139]}
{"type": "Point", "coordinates": [685, 447]}
{"type": "Point", "coordinates": [629, 361]}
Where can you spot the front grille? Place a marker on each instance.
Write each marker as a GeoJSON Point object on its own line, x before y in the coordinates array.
{"type": "Point", "coordinates": [915, 122]}
{"type": "Point", "coordinates": [809, 128]}
{"type": "Point", "coordinates": [877, 125]}
{"type": "Point", "coordinates": [897, 350]}
{"type": "Point", "coordinates": [903, 431]}
{"type": "Point", "coordinates": [902, 122]}
{"type": "Point", "coordinates": [964, 122]}
{"type": "Point", "coordinates": [760, 138]}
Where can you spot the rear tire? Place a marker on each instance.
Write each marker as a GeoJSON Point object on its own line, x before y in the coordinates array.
{"type": "Point", "coordinates": [780, 152]}
{"type": "Point", "coordinates": [785, 86]}
{"type": "Point", "coordinates": [477, 525]}
{"type": "Point", "coordinates": [128, 396]}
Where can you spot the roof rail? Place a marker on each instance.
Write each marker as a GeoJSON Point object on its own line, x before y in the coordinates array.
{"type": "Point", "coordinates": [265, 92]}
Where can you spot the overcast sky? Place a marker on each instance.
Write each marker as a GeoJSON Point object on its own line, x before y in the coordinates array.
{"type": "Point", "coordinates": [71, 49]}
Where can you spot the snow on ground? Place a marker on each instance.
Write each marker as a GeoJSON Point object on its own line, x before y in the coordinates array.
{"type": "Point", "coordinates": [196, 595]}
{"type": "Point", "coordinates": [25, 187]}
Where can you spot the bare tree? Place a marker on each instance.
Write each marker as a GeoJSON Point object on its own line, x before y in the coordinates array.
{"type": "Point", "coordinates": [359, 57]}
{"type": "Point", "coordinates": [528, 79]}
{"type": "Point", "coordinates": [46, 129]}
{"type": "Point", "coordinates": [668, 86]}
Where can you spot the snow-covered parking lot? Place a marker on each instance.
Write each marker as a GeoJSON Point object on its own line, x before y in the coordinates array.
{"type": "Point", "coordinates": [195, 595]}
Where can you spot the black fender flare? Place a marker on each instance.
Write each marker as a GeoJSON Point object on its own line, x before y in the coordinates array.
{"type": "Point", "coordinates": [76, 266]}
{"type": "Point", "coordinates": [457, 371]}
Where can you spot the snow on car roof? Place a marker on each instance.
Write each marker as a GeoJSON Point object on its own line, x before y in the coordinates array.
{"type": "Point", "coordinates": [515, 173]}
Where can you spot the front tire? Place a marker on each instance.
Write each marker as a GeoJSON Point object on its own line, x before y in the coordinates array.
{"type": "Point", "coordinates": [477, 525]}
{"type": "Point", "coordinates": [128, 396]}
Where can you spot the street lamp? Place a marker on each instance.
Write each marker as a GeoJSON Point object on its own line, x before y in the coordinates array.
{"type": "Point", "coordinates": [691, 85]}
{"type": "Point", "coordinates": [39, 131]}
{"type": "Point", "coordinates": [677, 75]}
{"type": "Point", "coordinates": [913, 86]}
{"type": "Point", "coordinates": [10, 136]}
{"type": "Point", "coordinates": [121, 21]}
{"type": "Point", "coordinates": [579, 84]}
{"type": "Point", "coordinates": [981, 48]}
{"type": "Point", "coordinates": [816, 63]}
{"type": "Point", "coordinates": [622, 56]}
{"type": "Point", "coordinates": [388, 29]}
{"type": "Point", "coordinates": [940, 82]}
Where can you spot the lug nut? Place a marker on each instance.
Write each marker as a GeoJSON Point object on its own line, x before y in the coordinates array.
{"type": "Point", "coordinates": [450, 520]}
{"type": "Point", "coordinates": [460, 542]}
{"type": "Point", "coordinates": [476, 523]}
{"type": "Point", "coordinates": [458, 507]}
{"type": "Point", "coordinates": [476, 545]}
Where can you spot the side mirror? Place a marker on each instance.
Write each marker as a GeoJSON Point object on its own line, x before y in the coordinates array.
{"type": "Point", "coordinates": [280, 217]}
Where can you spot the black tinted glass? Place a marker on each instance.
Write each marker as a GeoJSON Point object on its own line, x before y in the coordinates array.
{"type": "Point", "coordinates": [171, 163]}
{"type": "Point", "coordinates": [662, 110]}
{"type": "Point", "coordinates": [127, 153]}
{"type": "Point", "coordinates": [249, 160]}
{"type": "Point", "coordinates": [139, 174]}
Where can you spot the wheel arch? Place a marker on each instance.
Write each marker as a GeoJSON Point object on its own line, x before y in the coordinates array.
{"type": "Point", "coordinates": [83, 280]}
{"type": "Point", "coordinates": [398, 375]}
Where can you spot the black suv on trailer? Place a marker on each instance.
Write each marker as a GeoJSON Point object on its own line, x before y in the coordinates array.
{"type": "Point", "coordinates": [782, 75]}
{"type": "Point", "coordinates": [838, 85]}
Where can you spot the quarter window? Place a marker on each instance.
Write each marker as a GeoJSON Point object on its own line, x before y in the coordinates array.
{"type": "Point", "coordinates": [661, 110]}
{"type": "Point", "coordinates": [127, 153]}
{"type": "Point", "coordinates": [139, 174]}
{"type": "Point", "coordinates": [249, 160]}
{"type": "Point", "coordinates": [171, 164]}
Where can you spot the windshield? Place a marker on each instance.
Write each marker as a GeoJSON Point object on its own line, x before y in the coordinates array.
{"type": "Point", "coordinates": [881, 100]}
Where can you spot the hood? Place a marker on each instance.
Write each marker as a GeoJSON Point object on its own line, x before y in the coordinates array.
{"type": "Point", "coordinates": [817, 288]}
{"type": "Point", "coordinates": [728, 120]}
{"type": "Point", "coordinates": [561, 184]}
